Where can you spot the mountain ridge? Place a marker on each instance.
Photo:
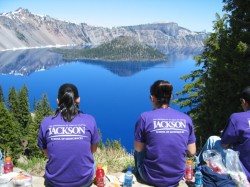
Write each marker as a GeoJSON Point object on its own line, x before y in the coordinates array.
{"type": "Point", "coordinates": [23, 29]}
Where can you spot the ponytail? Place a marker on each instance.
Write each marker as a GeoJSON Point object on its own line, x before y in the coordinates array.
{"type": "Point", "coordinates": [67, 105]}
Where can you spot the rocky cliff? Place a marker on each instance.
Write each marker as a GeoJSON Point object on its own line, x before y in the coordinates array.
{"type": "Point", "coordinates": [22, 29]}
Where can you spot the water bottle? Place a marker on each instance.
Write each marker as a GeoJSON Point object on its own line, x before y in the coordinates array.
{"type": "Point", "coordinates": [128, 178]}
{"type": "Point", "coordinates": [1, 164]}
{"type": "Point", "coordinates": [100, 176]}
{"type": "Point", "coordinates": [198, 177]}
{"type": "Point", "coordinates": [1, 167]}
{"type": "Point", "coordinates": [189, 171]}
{"type": "Point", "coordinates": [8, 165]}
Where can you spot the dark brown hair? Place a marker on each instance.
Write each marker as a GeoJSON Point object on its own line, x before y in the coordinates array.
{"type": "Point", "coordinates": [162, 90]}
{"type": "Point", "coordinates": [67, 106]}
{"type": "Point", "coordinates": [245, 94]}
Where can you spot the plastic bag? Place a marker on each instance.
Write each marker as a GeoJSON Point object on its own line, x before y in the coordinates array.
{"type": "Point", "coordinates": [214, 161]}
{"type": "Point", "coordinates": [235, 169]}
{"type": "Point", "coordinates": [22, 179]}
{"type": "Point", "coordinates": [232, 165]}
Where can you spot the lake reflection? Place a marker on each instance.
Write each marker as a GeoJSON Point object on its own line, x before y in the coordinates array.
{"type": "Point", "coordinates": [114, 93]}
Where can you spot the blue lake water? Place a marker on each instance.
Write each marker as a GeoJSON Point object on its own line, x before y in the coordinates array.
{"type": "Point", "coordinates": [114, 93]}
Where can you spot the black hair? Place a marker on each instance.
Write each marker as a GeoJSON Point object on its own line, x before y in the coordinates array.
{"type": "Point", "coordinates": [162, 90]}
{"type": "Point", "coordinates": [67, 106]}
{"type": "Point", "coordinates": [245, 94]}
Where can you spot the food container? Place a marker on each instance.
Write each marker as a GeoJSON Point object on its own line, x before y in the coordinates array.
{"type": "Point", "coordinates": [23, 179]}
{"type": "Point", "coordinates": [6, 179]}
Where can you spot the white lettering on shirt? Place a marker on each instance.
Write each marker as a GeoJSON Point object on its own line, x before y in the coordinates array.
{"type": "Point", "coordinates": [169, 125]}
{"type": "Point", "coordinates": [67, 132]}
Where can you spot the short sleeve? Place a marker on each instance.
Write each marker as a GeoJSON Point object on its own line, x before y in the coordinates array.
{"type": "Point", "coordinates": [95, 135]}
{"type": "Point", "coordinates": [42, 143]}
{"type": "Point", "coordinates": [230, 135]}
{"type": "Point", "coordinates": [192, 138]}
{"type": "Point", "coordinates": [139, 134]}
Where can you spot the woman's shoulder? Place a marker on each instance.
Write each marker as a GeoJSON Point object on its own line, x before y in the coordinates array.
{"type": "Point", "coordinates": [147, 113]}
{"type": "Point", "coordinates": [239, 116]}
{"type": "Point", "coordinates": [84, 115]}
{"type": "Point", "coordinates": [178, 112]}
{"type": "Point", "coordinates": [236, 114]}
{"type": "Point", "coordinates": [46, 118]}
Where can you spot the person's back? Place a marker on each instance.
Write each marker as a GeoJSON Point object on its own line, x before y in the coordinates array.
{"type": "Point", "coordinates": [68, 138]}
{"type": "Point", "coordinates": [68, 144]}
{"type": "Point", "coordinates": [164, 134]}
{"type": "Point", "coordinates": [237, 134]}
{"type": "Point", "coordinates": [167, 134]}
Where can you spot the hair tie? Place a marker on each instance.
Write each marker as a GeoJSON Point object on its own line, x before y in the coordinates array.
{"type": "Point", "coordinates": [63, 110]}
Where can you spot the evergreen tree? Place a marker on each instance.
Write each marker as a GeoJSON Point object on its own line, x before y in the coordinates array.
{"type": "Point", "coordinates": [10, 133]}
{"type": "Point", "coordinates": [32, 150]}
{"type": "Point", "coordinates": [213, 93]}
{"type": "Point", "coordinates": [1, 95]}
{"type": "Point", "coordinates": [34, 104]}
{"type": "Point", "coordinates": [24, 108]}
{"type": "Point", "coordinates": [43, 109]}
{"type": "Point", "coordinates": [13, 102]}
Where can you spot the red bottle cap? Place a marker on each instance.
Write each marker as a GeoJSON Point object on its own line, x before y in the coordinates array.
{"type": "Point", "coordinates": [8, 159]}
{"type": "Point", "coordinates": [99, 166]}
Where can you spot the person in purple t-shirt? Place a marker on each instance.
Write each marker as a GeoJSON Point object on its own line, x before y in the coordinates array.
{"type": "Point", "coordinates": [236, 135]}
{"type": "Point", "coordinates": [162, 139]}
{"type": "Point", "coordinates": [69, 139]}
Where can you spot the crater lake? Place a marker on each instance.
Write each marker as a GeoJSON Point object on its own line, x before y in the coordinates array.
{"type": "Point", "coordinates": [115, 93]}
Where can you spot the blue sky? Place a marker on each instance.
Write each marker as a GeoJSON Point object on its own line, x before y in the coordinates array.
{"type": "Point", "coordinates": [196, 15]}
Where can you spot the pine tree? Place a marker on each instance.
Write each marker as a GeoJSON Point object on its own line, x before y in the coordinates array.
{"type": "Point", "coordinates": [32, 149]}
{"type": "Point", "coordinates": [13, 102]}
{"type": "Point", "coordinates": [213, 93]}
{"type": "Point", "coordinates": [24, 116]}
{"type": "Point", "coordinates": [10, 133]}
{"type": "Point", "coordinates": [43, 109]}
{"type": "Point", "coordinates": [1, 95]}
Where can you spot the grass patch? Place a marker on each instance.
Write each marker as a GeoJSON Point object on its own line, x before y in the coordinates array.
{"type": "Point", "coordinates": [116, 159]}
{"type": "Point", "coordinates": [34, 166]}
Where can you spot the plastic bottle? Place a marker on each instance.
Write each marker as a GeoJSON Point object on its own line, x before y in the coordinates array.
{"type": "Point", "coordinates": [8, 165]}
{"type": "Point", "coordinates": [128, 178]}
{"type": "Point", "coordinates": [1, 167]}
{"type": "Point", "coordinates": [100, 176]}
{"type": "Point", "coordinates": [1, 164]}
{"type": "Point", "coordinates": [198, 177]}
{"type": "Point", "coordinates": [189, 171]}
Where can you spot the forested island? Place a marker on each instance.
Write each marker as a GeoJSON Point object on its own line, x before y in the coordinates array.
{"type": "Point", "coordinates": [122, 48]}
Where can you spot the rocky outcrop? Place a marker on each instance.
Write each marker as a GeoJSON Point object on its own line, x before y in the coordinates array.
{"type": "Point", "coordinates": [22, 29]}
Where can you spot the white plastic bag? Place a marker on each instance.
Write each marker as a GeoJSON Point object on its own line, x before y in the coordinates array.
{"type": "Point", "coordinates": [232, 165]}
{"type": "Point", "coordinates": [214, 161]}
{"type": "Point", "coordinates": [235, 169]}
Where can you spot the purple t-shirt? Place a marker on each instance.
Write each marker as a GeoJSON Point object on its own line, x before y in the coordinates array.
{"type": "Point", "coordinates": [166, 134]}
{"type": "Point", "coordinates": [237, 133]}
{"type": "Point", "coordinates": [70, 161]}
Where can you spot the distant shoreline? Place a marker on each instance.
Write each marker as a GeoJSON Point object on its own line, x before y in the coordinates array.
{"type": "Point", "coordinates": [41, 47]}
{"type": "Point", "coordinates": [107, 60]}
